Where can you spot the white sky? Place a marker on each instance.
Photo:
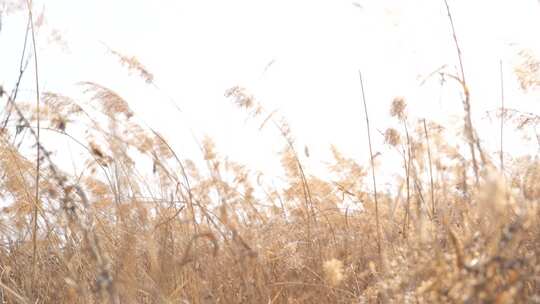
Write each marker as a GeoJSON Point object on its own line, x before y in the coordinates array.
{"type": "Point", "coordinates": [198, 49]}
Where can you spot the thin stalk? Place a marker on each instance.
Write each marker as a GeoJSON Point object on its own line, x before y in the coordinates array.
{"type": "Point", "coordinates": [430, 170]}
{"type": "Point", "coordinates": [458, 49]}
{"type": "Point", "coordinates": [407, 154]}
{"type": "Point", "coordinates": [38, 150]}
{"type": "Point", "coordinates": [379, 249]}
{"type": "Point", "coordinates": [502, 113]}
{"type": "Point", "coordinates": [469, 131]}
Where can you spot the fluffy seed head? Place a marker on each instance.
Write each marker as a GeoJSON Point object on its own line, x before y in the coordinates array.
{"type": "Point", "coordinates": [333, 271]}
{"type": "Point", "coordinates": [398, 107]}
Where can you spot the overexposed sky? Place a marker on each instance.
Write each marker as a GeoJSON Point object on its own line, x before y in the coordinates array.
{"type": "Point", "coordinates": [198, 49]}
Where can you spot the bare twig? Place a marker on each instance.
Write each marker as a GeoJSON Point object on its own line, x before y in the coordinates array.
{"type": "Point", "coordinates": [22, 68]}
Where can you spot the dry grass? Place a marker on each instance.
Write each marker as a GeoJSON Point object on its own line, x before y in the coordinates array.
{"type": "Point", "coordinates": [219, 235]}
{"type": "Point", "coordinates": [453, 230]}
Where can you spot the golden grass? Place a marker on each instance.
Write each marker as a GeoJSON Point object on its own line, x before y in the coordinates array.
{"type": "Point", "coordinates": [452, 230]}
{"type": "Point", "coordinates": [220, 235]}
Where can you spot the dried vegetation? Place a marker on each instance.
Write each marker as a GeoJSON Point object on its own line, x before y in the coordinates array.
{"type": "Point", "coordinates": [451, 230]}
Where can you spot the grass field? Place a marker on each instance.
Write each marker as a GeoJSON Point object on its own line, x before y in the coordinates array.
{"type": "Point", "coordinates": [460, 225]}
